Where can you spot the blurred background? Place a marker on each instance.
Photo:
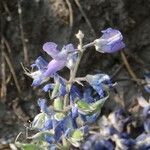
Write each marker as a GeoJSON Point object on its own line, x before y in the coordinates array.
{"type": "Point", "coordinates": [27, 24]}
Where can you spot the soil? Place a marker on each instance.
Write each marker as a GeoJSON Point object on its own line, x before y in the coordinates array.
{"type": "Point", "coordinates": [49, 20]}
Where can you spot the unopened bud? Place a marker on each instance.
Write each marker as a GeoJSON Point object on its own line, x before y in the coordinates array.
{"type": "Point", "coordinates": [80, 35]}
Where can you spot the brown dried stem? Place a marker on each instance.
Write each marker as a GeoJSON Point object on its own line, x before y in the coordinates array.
{"type": "Point", "coordinates": [3, 74]}
{"type": "Point", "coordinates": [13, 72]}
{"type": "Point", "coordinates": [128, 67]}
{"type": "Point", "coordinates": [25, 50]}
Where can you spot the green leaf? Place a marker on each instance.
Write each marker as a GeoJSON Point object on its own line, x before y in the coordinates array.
{"type": "Point", "coordinates": [24, 146]}
{"type": "Point", "coordinates": [77, 135]}
{"type": "Point", "coordinates": [98, 104]}
{"type": "Point", "coordinates": [83, 105]}
{"type": "Point", "coordinates": [39, 120]}
{"type": "Point", "coordinates": [59, 116]}
{"type": "Point", "coordinates": [74, 143]}
{"type": "Point", "coordinates": [40, 136]}
{"type": "Point", "coordinates": [55, 90]}
{"type": "Point", "coordinates": [58, 104]}
{"type": "Point", "coordinates": [88, 109]}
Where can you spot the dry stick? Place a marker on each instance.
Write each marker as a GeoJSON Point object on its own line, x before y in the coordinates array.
{"type": "Point", "coordinates": [25, 50]}
{"type": "Point", "coordinates": [117, 70]}
{"type": "Point", "coordinates": [85, 17]}
{"type": "Point", "coordinates": [71, 14]}
{"type": "Point", "coordinates": [6, 8]}
{"type": "Point", "coordinates": [6, 44]}
{"type": "Point", "coordinates": [13, 72]}
{"type": "Point", "coordinates": [138, 60]}
{"type": "Point", "coordinates": [132, 74]}
{"type": "Point", "coordinates": [70, 18]}
{"type": "Point", "coordinates": [3, 71]}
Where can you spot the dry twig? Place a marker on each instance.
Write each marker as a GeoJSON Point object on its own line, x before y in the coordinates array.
{"type": "Point", "coordinates": [71, 14]}
{"type": "Point", "coordinates": [6, 44]}
{"type": "Point", "coordinates": [25, 50]}
{"type": "Point", "coordinates": [3, 74]}
{"type": "Point", "coordinates": [85, 17]}
{"type": "Point", "coordinates": [13, 72]}
{"type": "Point", "coordinates": [127, 65]}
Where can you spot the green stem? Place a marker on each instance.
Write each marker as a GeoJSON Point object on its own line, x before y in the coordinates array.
{"type": "Point", "coordinates": [73, 73]}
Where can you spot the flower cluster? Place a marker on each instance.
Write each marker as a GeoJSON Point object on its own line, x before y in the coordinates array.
{"type": "Point", "coordinates": [76, 103]}
{"type": "Point", "coordinates": [113, 132]}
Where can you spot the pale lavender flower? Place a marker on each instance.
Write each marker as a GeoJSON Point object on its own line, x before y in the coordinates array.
{"type": "Point", "coordinates": [51, 49]}
{"type": "Point", "coordinates": [110, 41]}
{"type": "Point", "coordinates": [59, 61]}
{"type": "Point", "coordinates": [59, 57]}
{"type": "Point", "coordinates": [53, 67]}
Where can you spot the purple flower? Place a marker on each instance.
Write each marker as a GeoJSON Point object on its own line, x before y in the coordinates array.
{"type": "Point", "coordinates": [90, 118]}
{"type": "Point", "coordinates": [74, 93]}
{"type": "Point", "coordinates": [48, 124]}
{"type": "Point", "coordinates": [59, 57]}
{"type": "Point", "coordinates": [59, 61]}
{"type": "Point", "coordinates": [74, 112]}
{"type": "Point", "coordinates": [119, 120]}
{"type": "Point", "coordinates": [37, 76]}
{"type": "Point", "coordinates": [49, 139]}
{"type": "Point", "coordinates": [87, 95]}
{"type": "Point", "coordinates": [48, 87]}
{"type": "Point", "coordinates": [147, 79]}
{"type": "Point", "coordinates": [96, 143]}
{"type": "Point", "coordinates": [146, 115]}
{"type": "Point", "coordinates": [110, 42]}
{"type": "Point", "coordinates": [40, 63]}
{"type": "Point", "coordinates": [51, 49]}
{"type": "Point", "coordinates": [99, 82]}
{"type": "Point", "coordinates": [53, 67]}
{"type": "Point", "coordinates": [85, 129]}
{"type": "Point", "coordinates": [143, 141]}
{"type": "Point", "coordinates": [43, 106]}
